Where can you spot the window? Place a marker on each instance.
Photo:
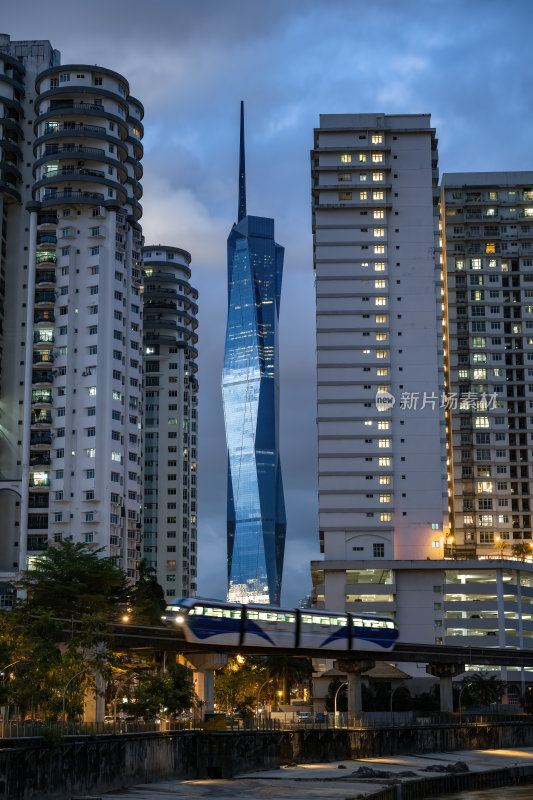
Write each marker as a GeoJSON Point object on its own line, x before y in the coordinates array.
{"type": "Point", "coordinates": [379, 249]}
{"type": "Point", "coordinates": [115, 456]}
{"type": "Point", "coordinates": [385, 516]}
{"type": "Point", "coordinates": [378, 550]}
{"type": "Point", "coordinates": [384, 443]}
{"type": "Point", "coordinates": [346, 158]}
{"type": "Point", "coordinates": [377, 176]}
{"type": "Point", "coordinates": [362, 158]}
{"type": "Point", "coordinates": [384, 498]}
{"type": "Point", "coordinates": [377, 138]}
{"type": "Point", "coordinates": [95, 250]}
{"type": "Point", "coordinates": [379, 233]}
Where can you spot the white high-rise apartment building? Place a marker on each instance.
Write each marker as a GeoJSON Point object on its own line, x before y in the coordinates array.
{"type": "Point", "coordinates": [382, 468]}
{"type": "Point", "coordinates": [70, 393]}
{"type": "Point", "coordinates": [487, 226]}
{"type": "Point", "coordinates": [170, 404]}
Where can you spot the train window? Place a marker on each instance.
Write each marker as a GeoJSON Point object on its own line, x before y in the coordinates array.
{"type": "Point", "coordinates": [307, 619]}
{"type": "Point", "coordinates": [342, 621]}
{"type": "Point", "coordinates": [219, 613]}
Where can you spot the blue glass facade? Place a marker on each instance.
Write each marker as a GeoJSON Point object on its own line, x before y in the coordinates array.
{"type": "Point", "coordinates": [256, 509]}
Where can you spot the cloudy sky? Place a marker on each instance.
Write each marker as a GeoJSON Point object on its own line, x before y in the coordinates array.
{"type": "Point", "coordinates": [467, 62]}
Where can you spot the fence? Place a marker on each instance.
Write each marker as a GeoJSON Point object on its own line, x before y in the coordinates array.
{"type": "Point", "coordinates": [282, 721]}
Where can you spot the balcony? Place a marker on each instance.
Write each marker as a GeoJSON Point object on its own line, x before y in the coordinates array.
{"type": "Point", "coordinates": [45, 277]}
{"type": "Point", "coordinates": [38, 501]}
{"type": "Point", "coordinates": [40, 398]}
{"type": "Point", "coordinates": [42, 377]}
{"type": "Point", "coordinates": [39, 480]}
{"type": "Point", "coordinates": [74, 196]}
{"type": "Point", "coordinates": [53, 149]}
{"type": "Point", "coordinates": [47, 219]}
{"type": "Point", "coordinates": [46, 257]}
{"type": "Point", "coordinates": [67, 172]}
{"type": "Point", "coordinates": [45, 297]}
{"type": "Point", "coordinates": [46, 238]}
{"type": "Point", "coordinates": [70, 106]}
{"type": "Point", "coordinates": [43, 337]}
{"type": "Point", "coordinates": [43, 357]}
{"type": "Point", "coordinates": [41, 417]}
{"type": "Point", "coordinates": [40, 438]}
{"type": "Point", "coordinates": [37, 521]}
{"type": "Point", "coordinates": [37, 543]}
{"type": "Point", "coordinates": [40, 459]}
{"type": "Point", "coordinates": [43, 316]}
{"type": "Point", "coordinates": [52, 128]}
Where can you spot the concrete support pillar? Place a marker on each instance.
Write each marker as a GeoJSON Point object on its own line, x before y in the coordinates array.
{"type": "Point", "coordinates": [203, 667]}
{"type": "Point", "coordinates": [94, 709]}
{"type": "Point", "coordinates": [353, 670]}
{"type": "Point", "coordinates": [445, 673]}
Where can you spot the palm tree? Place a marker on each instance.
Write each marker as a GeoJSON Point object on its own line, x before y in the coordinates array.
{"type": "Point", "coordinates": [521, 550]}
{"type": "Point", "coordinates": [501, 545]}
{"type": "Point", "coordinates": [482, 689]}
{"type": "Point", "coordinates": [286, 672]}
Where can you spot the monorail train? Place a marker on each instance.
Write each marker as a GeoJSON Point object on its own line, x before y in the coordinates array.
{"type": "Point", "coordinates": [218, 622]}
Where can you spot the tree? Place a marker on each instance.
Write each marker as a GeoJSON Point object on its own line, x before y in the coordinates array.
{"type": "Point", "coordinates": [285, 672]}
{"type": "Point", "coordinates": [521, 550]}
{"type": "Point", "coordinates": [501, 545]}
{"type": "Point", "coordinates": [147, 598]}
{"type": "Point", "coordinates": [342, 696]}
{"type": "Point", "coordinates": [481, 689]}
{"type": "Point", "coordinates": [71, 580]}
{"type": "Point", "coordinates": [236, 682]}
{"type": "Point", "coordinates": [167, 693]}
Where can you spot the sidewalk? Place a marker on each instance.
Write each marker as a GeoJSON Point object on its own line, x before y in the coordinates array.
{"type": "Point", "coordinates": [335, 780]}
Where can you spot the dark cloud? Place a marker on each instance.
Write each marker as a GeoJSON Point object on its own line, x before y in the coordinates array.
{"type": "Point", "coordinates": [191, 61]}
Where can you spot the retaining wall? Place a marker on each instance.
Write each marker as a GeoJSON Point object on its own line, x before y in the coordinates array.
{"type": "Point", "coordinates": [33, 770]}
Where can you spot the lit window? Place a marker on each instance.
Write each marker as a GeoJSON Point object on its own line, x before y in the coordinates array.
{"type": "Point", "coordinates": [384, 461]}
{"type": "Point", "coordinates": [345, 195]}
{"type": "Point", "coordinates": [435, 543]}
{"type": "Point", "coordinates": [377, 158]}
{"type": "Point", "coordinates": [362, 158]}
{"type": "Point", "coordinates": [481, 422]}
{"type": "Point", "coordinates": [377, 138]}
{"type": "Point", "coordinates": [381, 284]}
{"type": "Point", "coordinates": [385, 516]}
{"type": "Point", "coordinates": [368, 422]}
{"type": "Point", "coordinates": [346, 158]}
{"type": "Point", "coordinates": [384, 480]}
{"type": "Point", "coordinates": [379, 233]}
{"type": "Point", "coordinates": [379, 266]}
{"type": "Point", "coordinates": [377, 195]}
{"type": "Point", "coordinates": [382, 372]}
{"type": "Point", "coordinates": [115, 456]}
{"type": "Point", "coordinates": [381, 319]}
{"type": "Point", "coordinates": [383, 425]}
{"type": "Point", "coordinates": [380, 301]}
{"type": "Point", "coordinates": [90, 452]}
{"type": "Point", "coordinates": [91, 390]}
{"type": "Point", "coordinates": [379, 249]}
{"type": "Point", "coordinates": [363, 177]}
{"type": "Point", "coordinates": [381, 337]}
{"type": "Point", "coordinates": [490, 247]}
{"type": "Point", "coordinates": [377, 176]}
{"type": "Point", "coordinates": [384, 498]}
{"type": "Point", "coordinates": [382, 354]}
{"type": "Point", "coordinates": [363, 195]}
{"type": "Point", "coordinates": [384, 443]}
{"type": "Point", "coordinates": [379, 213]}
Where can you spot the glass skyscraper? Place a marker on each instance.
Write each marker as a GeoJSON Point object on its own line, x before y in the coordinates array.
{"type": "Point", "coordinates": [256, 521]}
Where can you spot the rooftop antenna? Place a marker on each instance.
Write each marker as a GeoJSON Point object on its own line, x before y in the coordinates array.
{"type": "Point", "coordinates": [242, 171]}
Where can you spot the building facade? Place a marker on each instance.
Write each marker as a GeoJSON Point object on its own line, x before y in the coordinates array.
{"type": "Point", "coordinates": [71, 395]}
{"type": "Point", "coordinates": [487, 228]}
{"type": "Point", "coordinates": [170, 421]}
{"type": "Point", "coordinates": [256, 522]}
{"type": "Point", "coordinates": [381, 435]}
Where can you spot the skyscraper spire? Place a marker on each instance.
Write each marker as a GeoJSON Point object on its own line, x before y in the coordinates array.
{"type": "Point", "coordinates": [242, 171]}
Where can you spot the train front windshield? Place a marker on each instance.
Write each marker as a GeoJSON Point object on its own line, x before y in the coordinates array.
{"type": "Point", "coordinates": [175, 613]}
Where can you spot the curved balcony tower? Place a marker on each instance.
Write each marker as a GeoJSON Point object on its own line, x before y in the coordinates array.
{"type": "Point", "coordinates": [170, 402]}
{"type": "Point", "coordinates": [84, 356]}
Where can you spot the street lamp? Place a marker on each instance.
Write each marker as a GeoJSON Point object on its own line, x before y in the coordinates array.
{"type": "Point", "coordinates": [463, 687]}
{"type": "Point", "coordinates": [65, 692]}
{"type": "Point", "coordinates": [259, 692]}
{"type": "Point", "coordinates": [345, 683]}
